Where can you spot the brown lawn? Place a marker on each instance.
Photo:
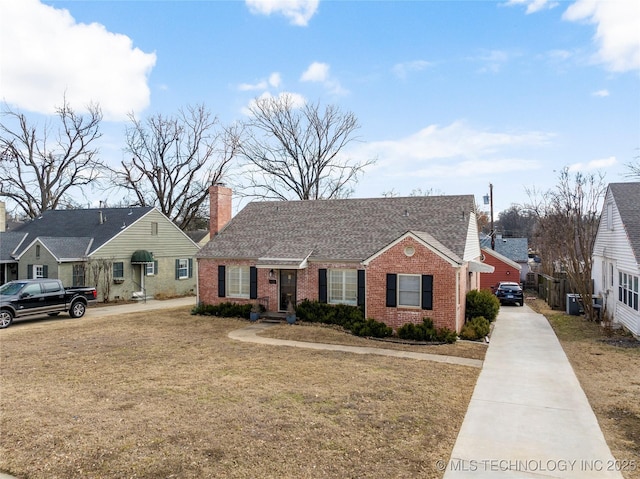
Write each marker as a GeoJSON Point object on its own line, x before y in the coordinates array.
{"type": "Point", "coordinates": [610, 377]}
{"type": "Point", "coordinates": [167, 395]}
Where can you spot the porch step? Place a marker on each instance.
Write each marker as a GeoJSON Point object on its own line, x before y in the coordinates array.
{"type": "Point", "coordinates": [273, 317]}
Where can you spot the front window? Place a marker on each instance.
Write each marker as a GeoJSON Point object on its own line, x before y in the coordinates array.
{"type": "Point", "coordinates": [150, 269]}
{"type": "Point", "coordinates": [628, 290]}
{"type": "Point", "coordinates": [343, 286]}
{"type": "Point", "coordinates": [38, 271]}
{"type": "Point", "coordinates": [118, 270]}
{"type": "Point", "coordinates": [183, 268]}
{"type": "Point", "coordinates": [238, 281]}
{"type": "Point", "coordinates": [409, 290]}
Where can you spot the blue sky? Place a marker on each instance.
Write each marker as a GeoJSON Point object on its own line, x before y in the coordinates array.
{"type": "Point", "coordinates": [450, 95]}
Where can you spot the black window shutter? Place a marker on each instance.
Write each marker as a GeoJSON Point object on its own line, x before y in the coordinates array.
{"type": "Point", "coordinates": [45, 271]}
{"type": "Point", "coordinates": [391, 290]}
{"type": "Point", "coordinates": [427, 291]}
{"type": "Point", "coordinates": [190, 267]}
{"type": "Point", "coordinates": [155, 267]}
{"type": "Point", "coordinates": [177, 269]}
{"type": "Point", "coordinates": [29, 271]}
{"type": "Point", "coordinates": [221, 277]}
{"type": "Point", "coordinates": [322, 285]}
{"type": "Point", "coordinates": [253, 282]}
{"type": "Point", "coordinates": [361, 288]}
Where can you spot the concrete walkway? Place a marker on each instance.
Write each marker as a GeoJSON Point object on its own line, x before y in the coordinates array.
{"type": "Point", "coordinates": [528, 416]}
{"type": "Point", "coordinates": [250, 334]}
{"type": "Point", "coordinates": [150, 305]}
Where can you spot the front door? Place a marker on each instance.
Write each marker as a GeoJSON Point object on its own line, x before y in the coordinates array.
{"type": "Point", "coordinates": [287, 287]}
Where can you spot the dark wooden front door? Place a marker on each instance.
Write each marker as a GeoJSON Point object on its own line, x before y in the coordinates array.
{"type": "Point", "coordinates": [288, 282]}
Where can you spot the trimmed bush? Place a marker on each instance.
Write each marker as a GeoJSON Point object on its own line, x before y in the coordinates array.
{"type": "Point", "coordinates": [426, 332]}
{"type": "Point", "coordinates": [476, 328]}
{"type": "Point", "coordinates": [482, 303]}
{"type": "Point", "coordinates": [224, 310]}
{"type": "Point", "coordinates": [371, 328]}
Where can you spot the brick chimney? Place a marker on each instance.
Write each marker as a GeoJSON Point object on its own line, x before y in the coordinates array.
{"type": "Point", "coordinates": [220, 207]}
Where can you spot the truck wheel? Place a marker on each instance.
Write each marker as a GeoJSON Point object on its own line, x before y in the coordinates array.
{"type": "Point", "coordinates": [6, 318]}
{"type": "Point", "coordinates": [77, 309]}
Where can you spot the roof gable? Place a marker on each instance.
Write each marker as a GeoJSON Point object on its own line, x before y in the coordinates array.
{"type": "Point", "coordinates": [100, 224]}
{"type": "Point", "coordinates": [345, 229]}
{"type": "Point", "coordinates": [9, 242]}
{"type": "Point", "coordinates": [627, 199]}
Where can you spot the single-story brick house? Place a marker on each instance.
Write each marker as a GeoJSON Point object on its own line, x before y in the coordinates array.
{"type": "Point", "coordinates": [400, 259]}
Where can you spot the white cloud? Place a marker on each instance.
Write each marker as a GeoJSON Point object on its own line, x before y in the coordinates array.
{"type": "Point", "coordinates": [534, 6]}
{"type": "Point", "coordinates": [600, 93]}
{"type": "Point", "coordinates": [273, 81]}
{"type": "Point", "coordinates": [299, 12]}
{"type": "Point", "coordinates": [597, 164]}
{"type": "Point", "coordinates": [493, 60]}
{"type": "Point", "coordinates": [452, 151]}
{"type": "Point", "coordinates": [401, 70]}
{"type": "Point", "coordinates": [47, 55]}
{"type": "Point", "coordinates": [295, 99]}
{"type": "Point", "coordinates": [617, 37]}
{"type": "Point", "coordinates": [317, 72]}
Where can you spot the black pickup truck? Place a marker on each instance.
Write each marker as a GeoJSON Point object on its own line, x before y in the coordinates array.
{"type": "Point", "coordinates": [30, 297]}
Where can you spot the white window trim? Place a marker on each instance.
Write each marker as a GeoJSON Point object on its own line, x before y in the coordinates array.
{"type": "Point", "coordinates": [416, 306]}
{"type": "Point", "coordinates": [183, 265]}
{"type": "Point", "coordinates": [237, 290]}
{"type": "Point", "coordinates": [147, 266]}
{"type": "Point", "coordinates": [38, 271]}
{"type": "Point", "coordinates": [343, 285]}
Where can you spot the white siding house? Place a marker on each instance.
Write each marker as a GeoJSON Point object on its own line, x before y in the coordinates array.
{"type": "Point", "coordinates": [616, 255]}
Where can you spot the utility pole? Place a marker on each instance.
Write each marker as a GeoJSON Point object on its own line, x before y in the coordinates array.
{"type": "Point", "coordinates": [493, 233]}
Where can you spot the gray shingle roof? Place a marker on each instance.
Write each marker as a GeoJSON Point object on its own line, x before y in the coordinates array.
{"type": "Point", "coordinates": [83, 223]}
{"type": "Point", "coordinates": [66, 248]}
{"type": "Point", "coordinates": [9, 240]}
{"type": "Point", "coordinates": [345, 229]}
{"type": "Point", "coordinates": [627, 199]}
{"type": "Point", "coordinates": [516, 249]}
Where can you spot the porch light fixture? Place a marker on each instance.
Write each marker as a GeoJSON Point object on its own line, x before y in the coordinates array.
{"type": "Point", "coordinates": [271, 274]}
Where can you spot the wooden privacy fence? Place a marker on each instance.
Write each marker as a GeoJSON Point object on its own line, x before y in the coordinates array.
{"type": "Point", "coordinates": [553, 290]}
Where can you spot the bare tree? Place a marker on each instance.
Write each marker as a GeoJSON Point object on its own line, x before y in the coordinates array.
{"type": "Point", "coordinates": [40, 167]}
{"type": "Point", "coordinates": [633, 169]}
{"type": "Point", "coordinates": [174, 161]}
{"type": "Point", "coordinates": [516, 222]}
{"type": "Point", "coordinates": [296, 151]}
{"type": "Point", "coordinates": [567, 222]}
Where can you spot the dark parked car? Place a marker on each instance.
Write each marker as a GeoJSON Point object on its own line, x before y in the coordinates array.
{"type": "Point", "coordinates": [510, 293]}
{"type": "Point", "coordinates": [30, 297]}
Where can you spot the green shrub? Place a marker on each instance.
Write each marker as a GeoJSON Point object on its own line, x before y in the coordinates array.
{"type": "Point", "coordinates": [340, 314]}
{"type": "Point", "coordinates": [482, 303]}
{"type": "Point", "coordinates": [476, 328]}
{"type": "Point", "coordinates": [426, 332]}
{"type": "Point", "coordinates": [371, 328]}
{"type": "Point", "coordinates": [224, 310]}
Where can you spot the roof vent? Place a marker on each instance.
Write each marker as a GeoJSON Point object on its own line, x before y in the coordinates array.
{"type": "Point", "coordinates": [406, 213]}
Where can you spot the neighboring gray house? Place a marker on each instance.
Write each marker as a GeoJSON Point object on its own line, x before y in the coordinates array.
{"type": "Point", "coordinates": [516, 249]}
{"type": "Point", "coordinates": [124, 252]}
{"type": "Point", "coordinates": [9, 243]}
{"type": "Point", "coordinates": [616, 255]}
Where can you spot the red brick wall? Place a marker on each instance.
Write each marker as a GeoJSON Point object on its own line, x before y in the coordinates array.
{"type": "Point", "coordinates": [448, 308]}
{"type": "Point", "coordinates": [445, 312]}
{"type": "Point", "coordinates": [220, 208]}
{"type": "Point", "coordinates": [503, 272]}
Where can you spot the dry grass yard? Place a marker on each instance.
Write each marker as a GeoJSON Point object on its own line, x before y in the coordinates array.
{"type": "Point", "coordinates": [167, 395]}
{"type": "Point", "coordinates": [609, 374]}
